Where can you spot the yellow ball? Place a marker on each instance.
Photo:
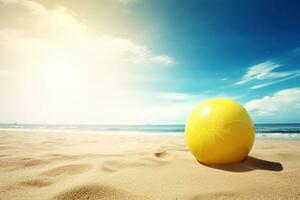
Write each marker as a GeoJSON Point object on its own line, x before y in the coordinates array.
{"type": "Point", "coordinates": [219, 131]}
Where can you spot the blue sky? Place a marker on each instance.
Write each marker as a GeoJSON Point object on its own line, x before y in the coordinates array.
{"type": "Point", "coordinates": [212, 40]}
{"type": "Point", "coordinates": [215, 44]}
{"type": "Point", "coordinates": [142, 61]}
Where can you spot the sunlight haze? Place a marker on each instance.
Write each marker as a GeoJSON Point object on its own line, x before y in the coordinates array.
{"type": "Point", "coordinates": [109, 62]}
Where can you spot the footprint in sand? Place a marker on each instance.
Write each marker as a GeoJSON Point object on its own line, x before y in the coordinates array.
{"type": "Point", "coordinates": [117, 165]}
{"type": "Point", "coordinates": [68, 169]}
{"type": "Point", "coordinates": [161, 154]}
{"type": "Point", "coordinates": [93, 192]}
{"type": "Point", "coordinates": [114, 165]}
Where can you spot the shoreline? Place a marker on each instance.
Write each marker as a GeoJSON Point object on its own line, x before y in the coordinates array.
{"type": "Point", "coordinates": [259, 135]}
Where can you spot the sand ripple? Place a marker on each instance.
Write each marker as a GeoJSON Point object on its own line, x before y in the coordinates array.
{"type": "Point", "coordinates": [68, 169]}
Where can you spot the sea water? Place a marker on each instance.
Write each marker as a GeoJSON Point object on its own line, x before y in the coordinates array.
{"type": "Point", "coordinates": [275, 131]}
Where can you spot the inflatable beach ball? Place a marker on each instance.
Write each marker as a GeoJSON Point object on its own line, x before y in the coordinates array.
{"type": "Point", "coordinates": [219, 131]}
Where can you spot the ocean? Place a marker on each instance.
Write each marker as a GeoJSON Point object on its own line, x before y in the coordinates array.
{"type": "Point", "coordinates": [273, 131]}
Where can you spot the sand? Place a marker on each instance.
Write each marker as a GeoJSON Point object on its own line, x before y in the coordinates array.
{"type": "Point", "coordinates": [36, 165]}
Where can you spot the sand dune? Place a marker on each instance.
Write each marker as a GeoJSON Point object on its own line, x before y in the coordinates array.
{"type": "Point", "coordinates": [35, 165]}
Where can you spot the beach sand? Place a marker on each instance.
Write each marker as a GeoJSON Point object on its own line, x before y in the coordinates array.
{"type": "Point", "coordinates": [36, 165]}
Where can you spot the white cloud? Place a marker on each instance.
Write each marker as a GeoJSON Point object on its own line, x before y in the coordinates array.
{"type": "Point", "coordinates": [61, 71]}
{"type": "Point", "coordinates": [35, 7]}
{"type": "Point", "coordinates": [175, 107]}
{"type": "Point", "coordinates": [265, 71]}
{"type": "Point", "coordinates": [167, 60]}
{"type": "Point", "coordinates": [192, 97]}
{"type": "Point", "coordinates": [282, 105]}
{"type": "Point", "coordinates": [59, 29]}
{"type": "Point", "coordinates": [276, 81]}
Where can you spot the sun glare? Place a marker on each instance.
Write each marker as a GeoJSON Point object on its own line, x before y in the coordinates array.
{"type": "Point", "coordinates": [60, 76]}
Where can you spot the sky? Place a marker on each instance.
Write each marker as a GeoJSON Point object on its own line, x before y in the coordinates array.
{"type": "Point", "coordinates": [147, 61]}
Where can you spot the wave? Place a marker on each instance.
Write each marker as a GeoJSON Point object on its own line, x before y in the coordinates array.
{"type": "Point", "coordinates": [262, 130]}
